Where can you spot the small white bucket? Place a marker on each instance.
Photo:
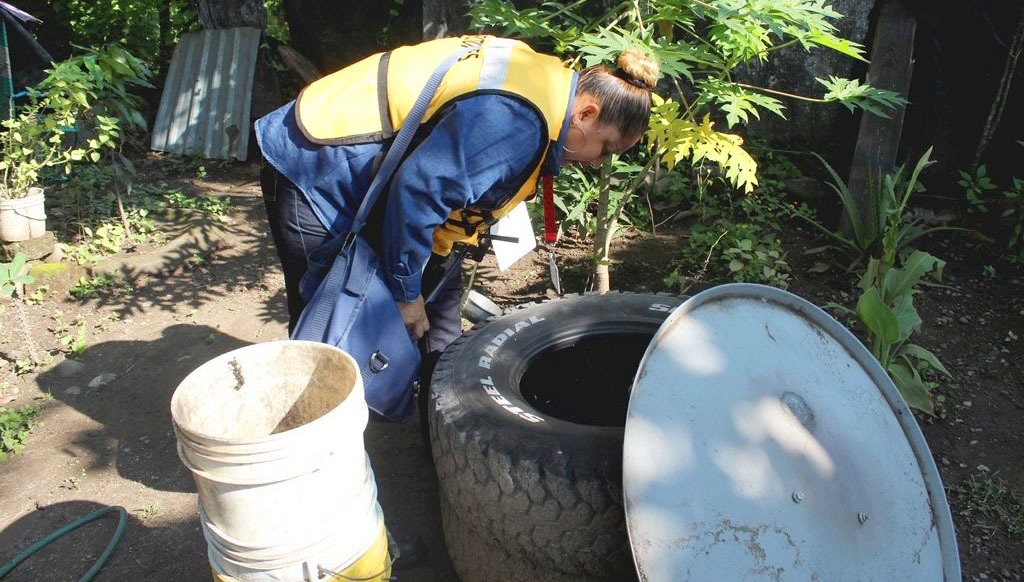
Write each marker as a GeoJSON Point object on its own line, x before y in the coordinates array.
{"type": "Point", "coordinates": [23, 218]}
{"type": "Point", "coordinates": [273, 435]}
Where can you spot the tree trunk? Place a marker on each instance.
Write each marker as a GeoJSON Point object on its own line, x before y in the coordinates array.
{"type": "Point", "coordinates": [995, 114]}
{"type": "Point", "coordinates": [166, 49]}
{"type": "Point", "coordinates": [443, 18]}
{"type": "Point", "coordinates": [218, 14]}
{"type": "Point", "coordinates": [603, 237]}
{"type": "Point", "coordinates": [333, 37]}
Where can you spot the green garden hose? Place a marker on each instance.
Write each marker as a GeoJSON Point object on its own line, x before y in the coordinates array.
{"type": "Point", "coordinates": [98, 564]}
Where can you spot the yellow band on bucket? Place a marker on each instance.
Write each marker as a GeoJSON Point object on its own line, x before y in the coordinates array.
{"type": "Point", "coordinates": [373, 566]}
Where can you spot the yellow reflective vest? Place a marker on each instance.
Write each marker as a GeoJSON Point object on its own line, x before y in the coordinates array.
{"type": "Point", "coordinates": [333, 110]}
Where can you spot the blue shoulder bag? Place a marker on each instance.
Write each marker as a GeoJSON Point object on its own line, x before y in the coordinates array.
{"type": "Point", "coordinates": [353, 308]}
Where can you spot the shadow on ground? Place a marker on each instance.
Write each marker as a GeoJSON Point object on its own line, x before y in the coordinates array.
{"type": "Point", "coordinates": [144, 552]}
{"type": "Point", "coordinates": [137, 439]}
{"type": "Point", "coordinates": [134, 406]}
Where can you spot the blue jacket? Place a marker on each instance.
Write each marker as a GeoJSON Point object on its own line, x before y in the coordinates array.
{"type": "Point", "coordinates": [475, 152]}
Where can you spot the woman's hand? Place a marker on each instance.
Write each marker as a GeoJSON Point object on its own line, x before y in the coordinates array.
{"type": "Point", "coordinates": [415, 318]}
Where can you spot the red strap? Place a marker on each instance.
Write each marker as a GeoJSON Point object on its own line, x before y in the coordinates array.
{"type": "Point", "coordinates": [550, 226]}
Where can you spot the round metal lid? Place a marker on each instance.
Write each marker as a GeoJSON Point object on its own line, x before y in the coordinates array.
{"type": "Point", "coordinates": [764, 442]}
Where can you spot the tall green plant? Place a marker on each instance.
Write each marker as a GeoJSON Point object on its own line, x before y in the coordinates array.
{"type": "Point", "coordinates": [893, 277]}
{"type": "Point", "coordinates": [886, 309]}
{"type": "Point", "coordinates": [883, 226]}
{"type": "Point", "coordinates": [699, 45]}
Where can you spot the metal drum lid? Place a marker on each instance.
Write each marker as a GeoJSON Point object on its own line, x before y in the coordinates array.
{"type": "Point", "coordinates": [764, 442]}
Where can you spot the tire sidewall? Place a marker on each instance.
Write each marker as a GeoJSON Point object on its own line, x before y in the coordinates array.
{"type": "Point", "coordinates": [477, 378]}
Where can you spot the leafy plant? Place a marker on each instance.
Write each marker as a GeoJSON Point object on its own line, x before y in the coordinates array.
{"type": "Point", "coordinates": [111, 74]}
{"type": "Point", "coordinates": [73, 338]}
{"type": "Point", "coordinates": [24, 366]}
{"type": "Point", "coordinates": [730, 251]}
{"type": "Point", "coordinates": [886, 309]}
{"type": "Point", "coordinates": [738, 252]}
{"type": "Point", "coordinates": [89, 287]}
{"type": "Point", "coordinates": [149, 28]}
{"type": "Point", "coordinates": [212, 205]}
{"type": "Point", "coordinates": [150, 511]}
{"type": "Point", "coordinates": [883, 225]}
{"type": "Point", "coordinates": [13, 275]}
{"type": "Point", "coordinates": [36, 137]}
{"type": "Point", "coordinates": [758, 261]}
{"type": "Point", "coordinates": [1013, 203]}
{"type": "Point", "coordinates": [577, 195]}
{"type": "Point", "coordinates": [15, 426]}
{"type": "Point", "coordinates": [700, 44]}
{"type": "Point", "coordinates": [975, 186]}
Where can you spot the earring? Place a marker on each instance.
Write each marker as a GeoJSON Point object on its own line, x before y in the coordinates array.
{"type": "Point", "coordinates": [572, 126]}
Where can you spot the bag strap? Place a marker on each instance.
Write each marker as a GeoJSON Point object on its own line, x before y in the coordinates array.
{"type": "Point", "coordinates": [402, 141]}
{"type": "Point", "coordinates": [332, 285]}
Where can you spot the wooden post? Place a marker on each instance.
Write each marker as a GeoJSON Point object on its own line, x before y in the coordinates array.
{"type": "Point", "coordinates": [878, 140]}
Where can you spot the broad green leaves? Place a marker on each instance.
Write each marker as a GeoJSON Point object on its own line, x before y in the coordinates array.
{"type": "Point", "coordinates": [853, 94]}
{"type": "Point", "coordinates": [879, 318]}
{"type": "Point", "coordinates": [12, 275]}
{"type": "Point", "coordinates": [702, 43]}
{"type": "Point", "coordinates": [681, 139]}
{"type": "Point", "coordinates": [88, 92]}
{"type": "Point", "coordinates": [737, 102]}
{"type": "Point", "coordinates": [886, 308]}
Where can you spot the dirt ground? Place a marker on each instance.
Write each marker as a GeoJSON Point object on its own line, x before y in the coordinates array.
{"type": "Point", "coordinates": [106, 436]}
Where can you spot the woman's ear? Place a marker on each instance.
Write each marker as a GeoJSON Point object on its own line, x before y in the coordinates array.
{"type": "Point", "coordinates": [586, 110]}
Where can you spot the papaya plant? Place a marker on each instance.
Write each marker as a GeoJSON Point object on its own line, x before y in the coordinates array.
{"type": "Point", "coordinates": [699, 45]}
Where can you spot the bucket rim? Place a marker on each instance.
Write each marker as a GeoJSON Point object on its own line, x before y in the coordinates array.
{"type": "Point", "coordinates": [35, 196]}
{"type": "Point", "coordinates": [311, 426]}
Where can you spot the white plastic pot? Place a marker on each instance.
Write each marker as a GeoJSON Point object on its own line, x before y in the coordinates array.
{"type": "Point", "coordinates": [23, 218]}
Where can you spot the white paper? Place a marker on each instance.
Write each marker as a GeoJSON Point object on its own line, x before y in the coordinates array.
{"type": "Point", "coordinates": [514, 224]}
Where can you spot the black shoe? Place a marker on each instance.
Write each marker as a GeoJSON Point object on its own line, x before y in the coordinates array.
{"type": "Point", "coordinates": [406, 551]}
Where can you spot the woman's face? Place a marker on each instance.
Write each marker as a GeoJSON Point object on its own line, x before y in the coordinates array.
{"type": "Point", "coordinates": [590, 141]}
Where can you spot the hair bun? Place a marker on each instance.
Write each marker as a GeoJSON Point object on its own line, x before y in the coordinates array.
{"type": "Point", "coordinates": [637, 64]}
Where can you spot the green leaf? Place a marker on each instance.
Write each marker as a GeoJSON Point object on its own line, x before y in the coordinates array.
{"type": "Point", "coordinates": [852, 94]}
{"type": "Point", "coordinates": [907, 316]}
{"type": "Point", "coordinates": [911, 387]}
{"type": "Point", "coordinates": [840, 45]}
{"type": "Point", "coordinates": [735, 265]}
{"type": "Point", "coordinates": [16, 265]}
{"type": "Point", "coordinates": [877, 316]}
{"type": "Point", "coordinates": [917, 352]}
{"type": "Point", "coordinates": [901, 281]}
{"type": "Point", "coordinates": [737, 102]}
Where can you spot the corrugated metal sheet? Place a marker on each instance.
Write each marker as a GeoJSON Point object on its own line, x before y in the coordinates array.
{"type": "Point", "coordinates": [205, 107]}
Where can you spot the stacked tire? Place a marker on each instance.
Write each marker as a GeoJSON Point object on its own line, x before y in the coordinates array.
{"type": "Point", "coordinates": [526, 416]}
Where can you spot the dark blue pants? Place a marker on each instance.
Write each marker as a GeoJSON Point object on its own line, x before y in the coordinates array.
{"type": "Point", "coordinates": [297, 231]}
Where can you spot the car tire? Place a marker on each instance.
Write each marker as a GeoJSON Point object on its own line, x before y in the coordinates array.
{"type": "Point", "coordinates": [526, 415]}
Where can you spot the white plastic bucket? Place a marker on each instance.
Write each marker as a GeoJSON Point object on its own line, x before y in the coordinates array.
{"type": "Point", "coordinates": [273, 435]}
{"type": "Point", "coordinates": [23, 218]}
